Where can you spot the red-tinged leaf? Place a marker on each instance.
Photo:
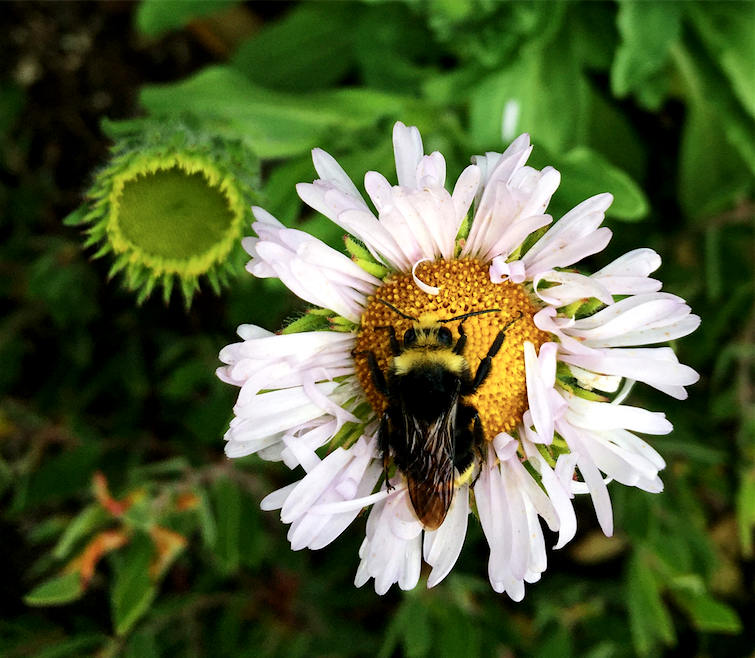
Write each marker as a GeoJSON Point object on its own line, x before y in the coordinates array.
{"type": "Point", "coordinates": [85, 563]}
{"type": "Point", "coordinates": [102, 494]}
{"type": "Point", "coordinates": [168, 544]}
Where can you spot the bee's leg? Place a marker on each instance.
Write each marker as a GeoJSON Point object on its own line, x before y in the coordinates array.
{"type": "Point", "coordinates": [459, 347]}
{"type": "Point", "coordinates": [384, 447]}
{"type": "Point", "coordinates": [469, 441]}
{"type": "Point", "coordinates": [378, 378]}
{"type": "Point", "coordinates": [395, 345]}
{"type": "Point", "coordinates": [483, 370]}
{"type": "Point", "coordinates": [479, 441]}
{"type": "Point", "coordinates": [468, 437]}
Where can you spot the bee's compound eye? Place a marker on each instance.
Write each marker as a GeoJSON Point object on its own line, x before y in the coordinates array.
{"type": "Point", "coordinates": [410, 337]}
{"type": "Point", "coordinates": [444, 336]}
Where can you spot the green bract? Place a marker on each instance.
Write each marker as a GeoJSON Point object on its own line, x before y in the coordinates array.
{"type": "Point", "coordinates": [170, 206]}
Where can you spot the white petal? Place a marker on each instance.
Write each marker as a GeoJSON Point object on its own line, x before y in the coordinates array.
{"type": "Point", "coordinates": [465, 191]}
{"type": "Point", "coordinates": [657, 367]}
{"type": "Point", "coordinates": [635, 263]}
{"type": "Point", "coordinates": [537, 393]}
{"type": "Point", "coordinates": [575, 236]}
{"type": "Point", "coordinates": [314, 483]}
{"type": "Point", "coordinates": [407, 149]}
{"type": "Point", "coordinates": [431, 171]}
{"type": "Point", "coordinates": [604, 415]}
{"type": "Point", "coordinates": [412, 565]}
{"type": "Point", "coordinates": [330, 171]}
{"type": "Point", "coordinates": [572, 287]}
{"type": "Point", "coordinates": [424, 287]}
{"type": "Point", "coordinates": [594, 481]}
{"type": "Point", "coordinates": [276, 499]}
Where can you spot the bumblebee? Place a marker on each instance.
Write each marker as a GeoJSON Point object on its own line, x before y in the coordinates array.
{"type": "Point", "coordinates": [429, 429]}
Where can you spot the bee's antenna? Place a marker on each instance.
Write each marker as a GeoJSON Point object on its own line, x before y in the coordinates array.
{"type": "Point", "coordinates": [469, 315]}
{"type": "Point", "coordinates": [393, 308]}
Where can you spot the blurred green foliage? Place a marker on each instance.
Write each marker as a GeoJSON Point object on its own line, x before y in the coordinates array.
{"type": "Point", "coordinates": [125, 529]}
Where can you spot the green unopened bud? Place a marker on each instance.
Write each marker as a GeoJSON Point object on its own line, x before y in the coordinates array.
{"type": "Point", "coordinates": [171, 206]}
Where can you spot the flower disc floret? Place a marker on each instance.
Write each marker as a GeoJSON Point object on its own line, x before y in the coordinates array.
{"type": "Point", "coordinates": [464, 286]}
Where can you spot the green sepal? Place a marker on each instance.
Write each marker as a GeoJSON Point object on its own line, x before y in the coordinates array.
{"type": "Point", "coordinates": [589, 395]}
{"type": "Point", "coordinates": [313, 320]}
{"type": "Point", "coordinates": [545, 453]}
{"type": "Point", "coordinates": [462, 235]}
{"type": "Point", "coordinates": [78, 216]}
{"type": "Point", "coordinates": [120, 263]}
{"type": "Point", "coordinates": [569, 382]}
{"type": "Point", "coordinates": [371, 267]}
{"type": "Point", "coordinates": [188, 287]}
{"type": "Point", "coordinates": [347, 436]}
{"type": "Point", "coordinates": [146, 290]}
{"type": "Point", "coordinates": [588, 308]}
{"type": "Point", "coordinates": [338, 323]}
{"type": "Point", "coordinates": [362, 257]}
{"type": "Point", "coordinates": [167, 282]}
{"type": "Point", "coordinates": [214, 280]}
{"type": "Point", "coordinates": [356, 249]}
{"type": "Point", "coordinates": [531, 239]}
{"type": "Point", "coordinates": [104, 250]}
{"type": "Point", "coordinates": [564, 376]}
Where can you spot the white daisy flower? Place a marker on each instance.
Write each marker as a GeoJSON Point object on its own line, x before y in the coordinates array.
{"type": "Point", "coordinates": [456, 363]}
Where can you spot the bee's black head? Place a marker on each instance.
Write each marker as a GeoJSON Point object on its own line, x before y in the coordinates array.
{"type": "Point", "coordinates": [427, 331]}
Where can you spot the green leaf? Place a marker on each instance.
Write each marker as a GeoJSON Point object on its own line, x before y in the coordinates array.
{"type": "Point", "coordinates": [155, 17]}
{"type": "Point", "coordinates": [557, 644]}
{"type": "Point", "coordinates": [648, 31]}
{"type": "Point", "coordinates": [132, 590]}
{"type": "Point", "coordinates": [613, 136]}
{"type": "Point", "coordinates": [746, 511]}
{"type": "Point", "coordinates": [6, 474]}
{"type": "Point", "coordinates": [522, 98]}
{"type": "Point", "coordinates": [712, 99]}
{"type": "Point", "coordinates": [711, 177]}
{"type": "Point", "coordinates": [707, 614]}
{"type": "Point", "coordinates": [455, 633]}
{"type": "Point", "coordinates": [12, 100]}
{"type": "Point", "coordinates": [649, 619]}
{"type": "Point", "coordinates": [207, 525]}
{"type": "Point", "coordinates": [142, 645]}
{"type": "Point", "coordinates": [410, 626]}
{"type": "Point", "coordinates": [288, 55]}
{"type": "Point", "coordinates": [227, 499]}
{"type": "Point", "coordinates": [88, 520]}
{"type": "Point", "coordinates": [74, 647]}
{"type": "Point", "coordinates": [417, 635]}
{"type": "Point", "coordinates": [273, 124]}
{"type": "Point", "coordinates": [585, 173]}
{"type": "Point", "coordinates": [727, 30]}
{"type": "Point", "coordinates": [280, 188]}
{"type": "Point", "coordinates": [59, 476]}
{"type": "Point", "coordinates": [593, 26]}
{"type": "Point", "coordinates": [56, 591]}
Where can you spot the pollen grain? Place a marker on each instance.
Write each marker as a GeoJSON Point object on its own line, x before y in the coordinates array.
{"type": "Point", "coordinates": [465, 287]}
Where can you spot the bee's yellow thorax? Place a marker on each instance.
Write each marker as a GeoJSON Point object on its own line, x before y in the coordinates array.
{"type": "Point", "coordinates": [421, 356]}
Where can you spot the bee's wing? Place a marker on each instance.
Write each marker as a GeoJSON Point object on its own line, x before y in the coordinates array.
{"type": "Point", "coordinates": [430, 478]}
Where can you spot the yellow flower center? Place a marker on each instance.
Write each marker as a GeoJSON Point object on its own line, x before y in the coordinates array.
{"type": "Point", "coordinates": [465, 287]}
